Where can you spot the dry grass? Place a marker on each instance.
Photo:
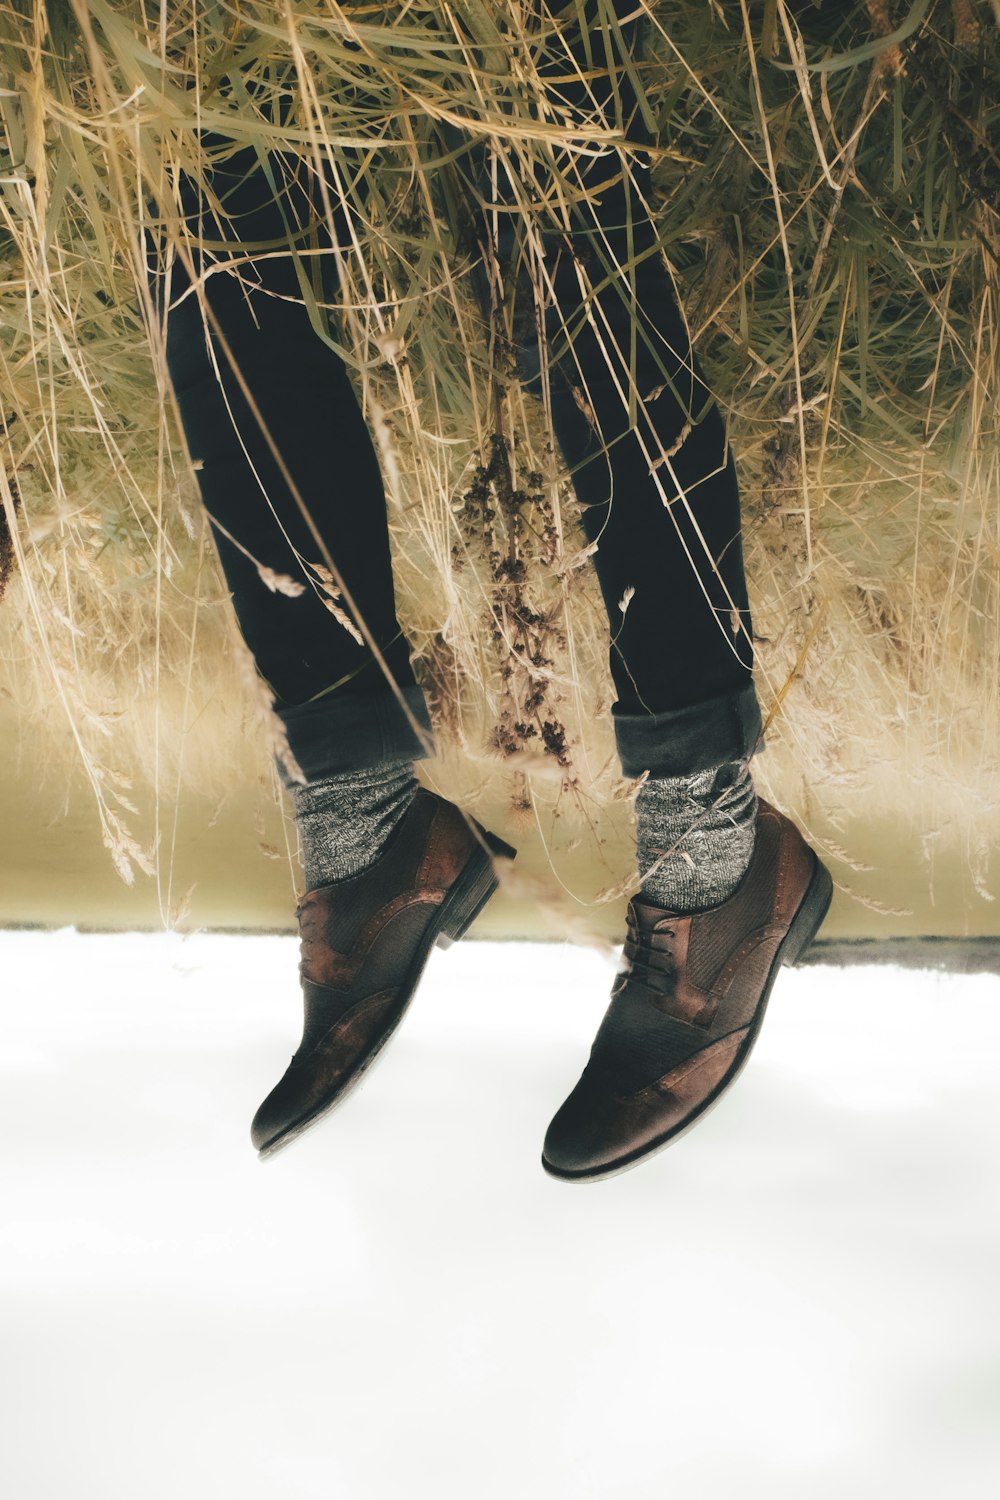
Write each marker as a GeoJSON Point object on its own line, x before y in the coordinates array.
{"type": "Point", "coordinates": [828, 187]}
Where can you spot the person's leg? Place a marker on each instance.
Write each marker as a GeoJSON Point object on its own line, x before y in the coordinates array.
{"type": "Point", "coordinates": [290, 391]}
{"type": "Point", "coordinates": [250, 375]}
{"type": "Point", "coordinates": [646, 447]}
{"type": "Point", "coordinates": [271, 420]}
{"type": "Point", "coordinates": [727, 896]}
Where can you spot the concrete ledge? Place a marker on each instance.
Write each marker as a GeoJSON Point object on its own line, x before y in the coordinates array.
{"type": "Point", "coordinates": [951, 955]}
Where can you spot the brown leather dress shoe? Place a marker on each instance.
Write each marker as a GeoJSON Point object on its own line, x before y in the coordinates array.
{"type": "Point", "coordinates": [687, 1007]}
{"type": "Point", "coordinates": [365, 942]}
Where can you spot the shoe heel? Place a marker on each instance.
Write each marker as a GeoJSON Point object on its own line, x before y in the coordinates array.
{"type": "Point", "coordinates": [471, 894]}
{"type": "Point", "coordinates": [810, 916]}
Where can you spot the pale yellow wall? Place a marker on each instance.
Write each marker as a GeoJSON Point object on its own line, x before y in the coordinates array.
{"type": "Point", "coordinates": [54, 870]}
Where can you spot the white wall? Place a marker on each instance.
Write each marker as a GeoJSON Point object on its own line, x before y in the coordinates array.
{"type": "Point", "coordinates": [797, 1300]}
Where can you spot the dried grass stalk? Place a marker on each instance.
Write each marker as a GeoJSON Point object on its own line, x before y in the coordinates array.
{"type": "Point", "coordinates": [828, 188]}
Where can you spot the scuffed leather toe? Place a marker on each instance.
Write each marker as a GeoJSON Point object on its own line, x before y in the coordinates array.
{"type": "Point", "coordinates": [272, 1118]}
{"type": "Point", "coordinates": [584, 1137]}
{"type": "Point", "coordinates": [324, 1075]}
{"type": "Point", "coordinates": [597, 1132]}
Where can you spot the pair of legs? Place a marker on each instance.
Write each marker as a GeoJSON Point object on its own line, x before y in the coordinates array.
{"type": "Point", "coordinates": [289, 476]}
{"type": "Point", "coordinates": [682, 654]}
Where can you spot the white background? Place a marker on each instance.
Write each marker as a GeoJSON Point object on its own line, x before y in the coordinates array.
{"type": "Point", "coordinates": [798, 1299]}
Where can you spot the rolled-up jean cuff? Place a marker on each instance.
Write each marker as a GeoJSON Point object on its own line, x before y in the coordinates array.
{"type": "Point", "coordinates": [346, 732]}
{"type": "Point", "coordinates": [694, 738]}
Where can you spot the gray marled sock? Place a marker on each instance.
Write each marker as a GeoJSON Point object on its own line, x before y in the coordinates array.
{"type": "Point", "coordinates": [695, 835]}
{"type": "Point", "coordinates": [345, 820]}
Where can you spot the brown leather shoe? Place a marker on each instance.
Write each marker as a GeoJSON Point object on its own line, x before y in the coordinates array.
{"type": "Point", "coordinates": [365, 942]}
{"type": "Point", "coordinates": [687, 1007]}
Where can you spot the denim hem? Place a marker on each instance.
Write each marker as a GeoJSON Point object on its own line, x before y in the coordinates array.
{"type": "Point", "coordinates": [694, 738]}
{"type": "Point", "coordinates": [351, 732]}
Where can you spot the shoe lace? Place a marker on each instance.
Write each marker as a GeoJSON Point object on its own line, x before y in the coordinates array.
{"type": "Point", "coordinates": [311, 942]}
{"type": "Point", "coordinates": [649, 957]}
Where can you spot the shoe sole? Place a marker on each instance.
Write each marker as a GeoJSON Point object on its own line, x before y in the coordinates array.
{"type": "Point", "coordinates": [459, 909]}
{"type": "Point", "coordinates": [802, 930]}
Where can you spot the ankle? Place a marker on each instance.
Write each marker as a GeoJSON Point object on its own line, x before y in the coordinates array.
{"type": "Point", "coordinates": [695, 836]}
{"type": "Point", "coordinates": [344, 821]}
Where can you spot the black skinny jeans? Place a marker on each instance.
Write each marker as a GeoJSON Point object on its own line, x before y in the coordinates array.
{"type": "Point", "coordinates": [681, 656]}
